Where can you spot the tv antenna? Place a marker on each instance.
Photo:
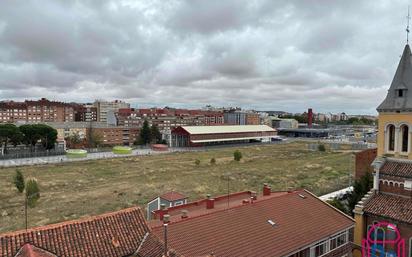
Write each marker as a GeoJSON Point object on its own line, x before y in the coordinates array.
{"type": "Point", "coordinates": [407, 27]}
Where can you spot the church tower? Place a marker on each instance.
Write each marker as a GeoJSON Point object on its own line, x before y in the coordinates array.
{"type": "Point", "coordinates": [395, 113]}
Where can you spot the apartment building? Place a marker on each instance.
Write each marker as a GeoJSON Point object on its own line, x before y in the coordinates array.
{"type": "Point", "coordinates": [42, 110]}
{"type": "Point", "coordinates": [103, 107]}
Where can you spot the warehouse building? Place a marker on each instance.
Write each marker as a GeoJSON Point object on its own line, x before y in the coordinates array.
{"type": "Point", "coordinates": [188, 136]}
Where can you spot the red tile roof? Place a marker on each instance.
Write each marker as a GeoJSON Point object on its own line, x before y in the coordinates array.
{"type": "Point", "coordinates": [173, 196]}
{"type": "Point", "coordinates": [390, 206]}
{"type": "Point", "coordinates": [244, 230]}
{"type": "Point", "coordinates": [397, 168]}
{"type": "Point", "coordinates": [114, 234]}
{"type": "Point", "coordinates": [31, 251]}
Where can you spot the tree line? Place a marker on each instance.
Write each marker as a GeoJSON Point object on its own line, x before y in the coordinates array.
{"type": "Point", "coordinates": [28, 134]}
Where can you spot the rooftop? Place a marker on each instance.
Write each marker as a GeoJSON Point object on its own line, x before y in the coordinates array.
{"type": "Point", "coordinates": [276, 225]}
{"type": "Point", "coordinates": [397, 167]}
{"type": "Point", "coordinates": [400, 207]}
{"type": "Point", "coordinates": [227, 129]}
{"type": "Point", "coordinates": [173, 196]}
{"type": "Point", "coordinates": [401, 81]}
{"type": "Point", "coordinates": [116, 234]}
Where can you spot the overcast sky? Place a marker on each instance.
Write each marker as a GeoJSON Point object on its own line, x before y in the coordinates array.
{"type": "Point", "coordinates": [269, 55]}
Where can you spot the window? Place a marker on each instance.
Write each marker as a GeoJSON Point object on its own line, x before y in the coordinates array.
{"type": "Point", "coordinates": [405, 137]}
{"type": "Point", "coordinates": [391, 140]}
{"type": "Point", "coordinates": [400, 93]}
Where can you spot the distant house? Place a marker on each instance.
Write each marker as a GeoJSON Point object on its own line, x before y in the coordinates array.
{"type": "Point", "coordinates": [169, 199]}
{"type": "Point", "coordinates": [117, 234]}
{"type": "Point", "coordinates": [244, 224]}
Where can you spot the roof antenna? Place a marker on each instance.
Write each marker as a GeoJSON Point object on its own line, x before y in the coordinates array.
{"type": "Point", "coordinates": [407, 27]}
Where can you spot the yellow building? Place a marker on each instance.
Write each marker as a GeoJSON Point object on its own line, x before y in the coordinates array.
{"type": "Point", "coordinates": [390, 202]}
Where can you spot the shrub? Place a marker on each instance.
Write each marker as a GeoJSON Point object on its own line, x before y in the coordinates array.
{"type": "Point", "coordinates": [32, 192]}
{"type": "Point", "coordinates": [237, 155]}
{"type": "Point", "coordinates": [197, 162]}
{"type": "Point", "coordinates": [19, 181]}
{"type": "Point", "coordinates": [213, 161]}
{"type": "Point", "coordinates": [321, 148]}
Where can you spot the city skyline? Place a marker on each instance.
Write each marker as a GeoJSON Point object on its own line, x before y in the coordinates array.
{"type": "Point", "coordinates": [263, 55]}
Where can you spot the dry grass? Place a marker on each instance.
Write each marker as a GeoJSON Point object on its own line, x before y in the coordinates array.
{"type": "Point", "coordinates": [70, 191]}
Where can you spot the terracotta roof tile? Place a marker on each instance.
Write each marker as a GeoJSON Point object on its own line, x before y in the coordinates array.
{"type": "Point", "coordinates": [114, 234]}
{"type": "Point", "coordinates": [397, 168]}
{"type": "Point", "coordinates": [244, 230]}
{"type": "Point", "coordinates": [400, 207]}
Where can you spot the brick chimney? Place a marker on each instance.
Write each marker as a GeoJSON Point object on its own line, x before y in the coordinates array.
{"type": "Point", "coordinates": [163, 211]}
{"type": "Point", "coordinates": [253, 195]}
{"type": "Point", "coordinates": [166, 219]}
{"type": "Point", "coordinates": [310, 117]}
{"type": "Point", "coordinates": [210, 202]}
{"type": "Point", "coordinates": [185, 214]}
{"type": "Point", "coordinates": [266, 190]}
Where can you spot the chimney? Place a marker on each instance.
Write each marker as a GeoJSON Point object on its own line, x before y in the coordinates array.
{"type": "Point", "coordinates": [166, 219]}
{"type": "Point", "coordinates": [245, 201]}
{"type": "Point", "coordinates": [163, 211]}
{"type": "Point", "coordinates": [185, 214]}
{"type": "Point", "coordinates": [253, 195]}
{"type": "Point", "coordinates": [266, 190]}
{"type": "Point", "coordinates": [210, 202]}
{"type": "Point", "coordinates": [290, 189]}
{"type": "Point", "coordinates": [310, 117]}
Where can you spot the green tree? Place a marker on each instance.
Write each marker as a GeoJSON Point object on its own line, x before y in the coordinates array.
{"type": "Point", "coordinates": [197, 162]}
{"type": "Point", "coordinates": [48, 135]}
{"type": "Point", "coordinates": [213, 161]}
{"type": "Point", "coordinates": [95, 139]}
{"type": "Point", "coordinates": [8, 133]}
{"type": "Point", "coordinates": [155, 135]}
{"type": "Point", "coordinates": [237, 155]}
{"type": "Point", "coordinates": [18, 181]}
{"type": "Point", "coordinates": [335, 202]}
{"type": "Point", "coordinates": [31, 135]}
{"type": "Point", "coordinates": [361, 187]}
{"type": "Point", "coordinates": [145, 133]}
{"type": "Point", "coordinates": [32, 192]}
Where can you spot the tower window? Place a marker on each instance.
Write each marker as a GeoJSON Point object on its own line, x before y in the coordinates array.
{"type": "Point", "coordinates": [400, 93]}
{"type": "Point", "coordinates": [391, 138]}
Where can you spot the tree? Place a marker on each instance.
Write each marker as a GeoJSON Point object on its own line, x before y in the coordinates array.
{"type": "Point", "coordinates": [237, 155]}
{"type": "Point", "coordinates": [48, 136]}
{"type": "Point", "coordinates": [18, 181]}
{"type": "Point", "coordinates": [32, 192]}
{"type": "Point", "coordinates": [155, 135]}
{"type": "Point", "coordinates": [95, 139]}
{"type": "Point", "coordinates": [73, 139]}
{"type": "Point", "coordinates": [213, 161]}
{"type": "Point", "coordinates": [335, 202]}
{"type": "Point", "coordinates": [361, 187]}
{"type": "Point", "coordinates": [8, 133]}
{"type": "Point", "coordinates": [31, 135]}
{"type": "Point", "coordinates": [197, 162]}
{"type": "Point", "coordinates": [145, 133]}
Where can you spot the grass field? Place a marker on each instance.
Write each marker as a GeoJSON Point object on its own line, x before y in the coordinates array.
{"type": "Point", "coordinates": [73, 190]}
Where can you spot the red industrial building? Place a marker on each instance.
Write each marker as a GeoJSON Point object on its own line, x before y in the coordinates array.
{"type": "Point", "coordinates": [188, 136]}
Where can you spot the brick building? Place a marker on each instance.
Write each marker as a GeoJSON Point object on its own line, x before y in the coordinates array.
{"type": "Point", "coordinates": [11, 112]}
{"type": "Point", "coordinates": [363, 162]}
{"type": "Point", "coordinates": [293, 223]}
{"type": "Point", "coordinates": [41, 110]}
{"type": "Point", "coordinates": [85, 112]}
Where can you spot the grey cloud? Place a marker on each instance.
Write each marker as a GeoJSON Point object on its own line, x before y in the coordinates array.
{"type": "Point", "coordinates": [331, 55]}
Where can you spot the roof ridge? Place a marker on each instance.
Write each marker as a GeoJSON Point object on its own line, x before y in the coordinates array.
{"type": "Point", "coordinates": [259, 200]}
{"type": "Point", "coordinates": [71, 222]}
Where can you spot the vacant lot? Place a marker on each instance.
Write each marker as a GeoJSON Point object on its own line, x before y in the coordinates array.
{"type": "Point", "coordinates": [73, 190]}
